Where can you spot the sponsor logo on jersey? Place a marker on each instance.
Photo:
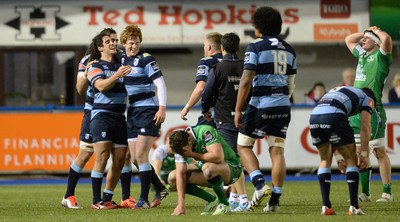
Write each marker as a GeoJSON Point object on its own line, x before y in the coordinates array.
{"type": "Point", "coordinates": [201, 70]}
{"type": "Point", "coordinates": [247, 56]}
{"type": "Point", "coordinates": [154, 66]}
{"type": "Point", "coordinates": [208, 137]}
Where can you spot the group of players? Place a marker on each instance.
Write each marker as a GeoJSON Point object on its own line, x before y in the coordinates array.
{"type": "Point", "coordinates": [250, 100]}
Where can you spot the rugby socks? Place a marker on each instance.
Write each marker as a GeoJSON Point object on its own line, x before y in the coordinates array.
{"type": "Point", "coordinates": [324, 177]}
{"type": "Point", "coordinates": [156, 181]}
{"type": "Point", "coordinates": [387, 188]}
{"type": "Point", "coordinates": [257, 179]}
{"type": "Point", "coordinates": [352, 178]}
{"type": "Point", "coordinates": [196, 191]}
{"type": "Point", "coordinates": [126, 177]}
{"type": "Point", "coordinates": [365, 178]}
{"type": "Point", "coordinates": [97, 180]}
{"type": "Point", "coordinates": [276, 194]}
{"type": "Point", "coordinates": [145, 175]}
{"type": "Point", "coordinates": [107, 195]}
{"type": "Point", "coordinates": [243, 199]}
{"type": "Point", "coordinates": [233, 197]}
{"type": "Point", "coordinates": [75, 173]}
{"type": "Point", "coordinates": [218, 186]}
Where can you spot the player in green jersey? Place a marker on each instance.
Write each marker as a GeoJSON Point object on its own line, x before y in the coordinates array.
{"type": "Point", "coordinates": [373, 49]}
{"type": "Point", "coordinates": [217, 164]}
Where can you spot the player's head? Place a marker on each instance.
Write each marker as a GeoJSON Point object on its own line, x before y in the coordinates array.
{"type": "Point", "coordinates": [369, 93]}
{"type": "Point", "coordinates": [267, 21]}
{"type": "Point", "coordinates": [370, 41]}
{"type": "Point", "coordinates": [212, 43]}
{"type": "Point", "coordinates": [97, 43]}
{"type": "Point", "coordinates": [230, 42]}
{"type": "Point", "coordinates": [178, 140]}
{"type": "Point", "coordinates": [131, 39]}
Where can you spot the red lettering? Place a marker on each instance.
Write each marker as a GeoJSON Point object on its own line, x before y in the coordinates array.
{"type": "Point", "coordinates": [92, 13]}
{"type": "Point", "coordinates": [304, 142]}
{"type": "Point", "coordinates": [140, 16]}
{"type": "Point", "coordinates": [165, 14]}
{"type": "Point", "coordinates": [110, 17]}
{"type": "Point", "coordinates": [210, 15]}
{"type": "Point", "coordinates": [196, 15]}
{"type": "Point", "coordinates": [291, 15]}
{"type": "Point", "coordinates": [391, 137]}
{"type": "Point", "coordinates": [252, 10]}
{"type": "Point", "coordinates": [236, 17]}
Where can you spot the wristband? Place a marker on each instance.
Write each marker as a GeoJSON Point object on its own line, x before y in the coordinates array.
{"type": "Point", "coordinates": [186, 106]}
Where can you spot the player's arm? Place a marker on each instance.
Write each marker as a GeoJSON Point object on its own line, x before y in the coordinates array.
{"type": "Point", "coordinates": [194, 98]}
{"type": "Point", "coordinates": [365, 135]}
{"type": "Point", "coordinates": [103, 85]}
{"type": "Point", "coordinates": [181, 170]}
{"type": "Point", "coordinates": [243, 92]}
{"type": "Point", "coordinates": [162, 99]}
{"type": "Point", "coordinates": [353, 39]}
{"type": "Point", "coordinates": [81, 81]}
{"type": "Point", "coordinates": [158, 157]}
{"type": "Point", "coordinates": [214, 154]}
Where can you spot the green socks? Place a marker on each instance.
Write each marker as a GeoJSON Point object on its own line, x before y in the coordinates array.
{"type": "Point", "coordinates": [365, 177]}
{"type": "Point", "coordinates": [200, 193]}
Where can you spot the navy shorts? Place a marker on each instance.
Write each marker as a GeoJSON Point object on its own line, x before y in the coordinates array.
{"type": "Point", "coordinates": [270, 121]}
{"type": "Point", "coordinates": [333, 128]}
{"type": "Point", "coordinates": [229, 132]}
{"type": "Point", "coordinates": [109, 127]}
{"type": "Point", "coordinates": [85, 134]}
{"type": "Point", "coordinates": [141, 121]}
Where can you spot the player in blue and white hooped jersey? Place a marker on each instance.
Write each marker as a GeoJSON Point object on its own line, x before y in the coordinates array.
{"type": "Point", "coordinates": [269, 71]}
{"type": "Point", "coordinates": [86, 146]}
{"type": "Point", "coordinates": [108, 124]}
{"type": "Point", "coordinates": [212, 55]}
{"type": "Point", "coordinates": [331, 131]}
{"type": "Point", "coordinates": [146, 111]}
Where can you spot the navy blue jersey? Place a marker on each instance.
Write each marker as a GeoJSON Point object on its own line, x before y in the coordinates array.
{"type": "Point", "coordinates": [114, 100]}
{"type": "Point", "coordinates": [89, 92]}
{"type": "Point", "coordinates": [273, 60]}
{"type": "Point", "coordinates": [205, 65]}
{"type": "Point", "coordinates": [139, 82]}
{"type": "Point", "coordinates": [346, 100]}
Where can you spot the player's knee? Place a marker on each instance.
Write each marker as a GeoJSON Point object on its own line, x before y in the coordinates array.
{"type": "Point", "coordinates": [380, 153]}
{"type": "Point", "coordinates": [171, 178]}
{"type": "Point", "coordinates": [245, 141]}
{"type": "Point", "coordinates": [208, 170]}
{"type": "Point", "coordinates": [274, 141]}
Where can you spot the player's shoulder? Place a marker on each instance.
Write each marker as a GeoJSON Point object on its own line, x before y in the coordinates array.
{"type": "Point", "coordinates": [257, 40]}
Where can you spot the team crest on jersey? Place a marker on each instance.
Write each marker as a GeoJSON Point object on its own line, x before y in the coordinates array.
{"type": "Point", "coordinates": [201, 70]}
{"type": "Point", "coordinates": [370, 59]}
{"type": "Point", "coordinates": [208, 136]}
{"type": "Point", "coordinates": [136, 62]}
{"type": "Point", "coordinates": [105, 67]}
{"type": "Point", "coordinates": [246, 56]}
{"type": "Point", "coordinates": [103, 134]}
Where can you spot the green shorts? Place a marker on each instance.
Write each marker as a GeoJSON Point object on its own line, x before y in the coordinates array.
{"type": "Point", "coordinates": [378, 124]}
{"type": "Point", "coordinates": [234, 165]}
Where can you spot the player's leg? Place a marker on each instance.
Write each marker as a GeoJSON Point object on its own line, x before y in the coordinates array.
{"type": "Point", "coordinates": [126, 176]}
{"type": "Point", "coordinates": [385, 171]}
{"type": "Point", "coordinates": [324, 177]}
{"type": "Point", "coordinates": [102, 152]}
{"type": "Point", "coordinates": [75, 172]}
{"type": "Point", "coordinates": [278, 172]}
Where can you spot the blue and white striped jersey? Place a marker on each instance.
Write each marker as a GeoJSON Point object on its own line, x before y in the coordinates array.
{"type": "Point", "coordinates": [89, 92]}
{"type": "Point", "coordinates": [114, 100]}
{"type": "Point", "coordinates": [273, 60]}
{"type": "Point", "coordinates": [204, 66]}
{"type": "Point", "coordinates": [346, 100]}
{"type": "Point", "coordinates": [139, 82]}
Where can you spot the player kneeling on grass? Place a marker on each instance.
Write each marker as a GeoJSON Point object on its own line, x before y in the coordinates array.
{"type": "Point", "coordinates": [330, 131]}
{"type": "Point", "coordinates": [217, 165]}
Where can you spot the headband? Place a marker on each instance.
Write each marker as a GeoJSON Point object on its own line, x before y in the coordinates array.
{"type": "Point", "coordinates": [373, 36]}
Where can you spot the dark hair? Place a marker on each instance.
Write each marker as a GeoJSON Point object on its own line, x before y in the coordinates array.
{"type": "Point", "coordinates": [369, 93]}
{"type": "Point", "coordinates": [230, 42]}
{"type": "Point", "coordinates": [268, 21]}
{"type": "Point", "coordinates": [96, 42]}
{"type": "Point", "coordinates": [177, 140]}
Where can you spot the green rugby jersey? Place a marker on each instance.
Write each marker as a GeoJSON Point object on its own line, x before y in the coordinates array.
{"type": "Point", "coordinates": [372, 71]}
{"type": "Point", "coordinates": [206, 135]}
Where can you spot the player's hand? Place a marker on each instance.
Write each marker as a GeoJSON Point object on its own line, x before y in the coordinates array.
{"type": "Point", "coordinates": [123, 71]}
{"type": "Point", "coordinates": [238, 119]}
{"type": "Point", "coordinates": [160, 115]}
{"type": "Point", "coordinates": [179, 210]}
{"type": "Point", "coordinates": [342, 166]}
{"type": "Point", "coordinates": [184, 112]}
{"type": "Point", "coordinates": [363, 162]}
{"type": "Point", "coordinates": [207, 116]}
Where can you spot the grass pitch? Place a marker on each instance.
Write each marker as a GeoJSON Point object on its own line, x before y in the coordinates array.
{"type": "Point", "coordinates": [301, 201]}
